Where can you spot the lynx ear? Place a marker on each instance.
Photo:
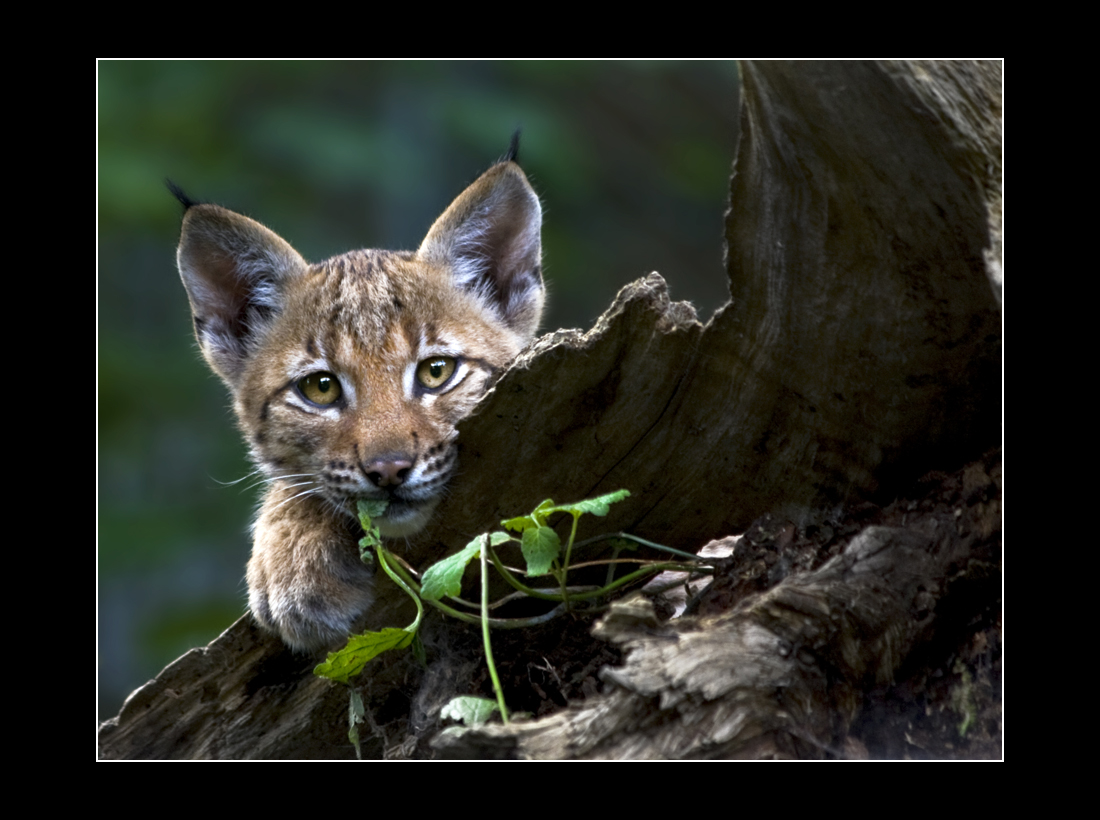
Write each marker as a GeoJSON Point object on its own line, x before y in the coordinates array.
{"type": "Point", "coordinates": [235, 271]}
{"type": "Point", "coordinates": [490, 237]}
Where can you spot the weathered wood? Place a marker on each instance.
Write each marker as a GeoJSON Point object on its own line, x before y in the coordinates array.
{"type": "Point", "coordinates": [861, 348]}
{"type": "Point", "coordinates": [781, 674]}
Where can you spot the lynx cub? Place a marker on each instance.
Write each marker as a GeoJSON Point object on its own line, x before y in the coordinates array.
{"type": "Point", "coordinates": [349, 375]}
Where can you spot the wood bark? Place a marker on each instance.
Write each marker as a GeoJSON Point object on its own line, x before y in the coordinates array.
{"type": "Point", "coordinates": [861, 348]}
{"type": "Point", "coordinates": [782, 673]}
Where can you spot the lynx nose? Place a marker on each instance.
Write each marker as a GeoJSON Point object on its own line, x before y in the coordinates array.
{"type": "Point", "coordinates": [388, 471]}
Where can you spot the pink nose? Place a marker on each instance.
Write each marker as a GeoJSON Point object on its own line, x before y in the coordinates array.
{"type": "Point", "coordinates": [389, 471]}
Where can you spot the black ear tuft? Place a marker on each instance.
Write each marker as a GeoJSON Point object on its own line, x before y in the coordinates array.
{"type": "Point", "coordinates": [490, 240]}
{"type": "Point", "coordinates": [178, 193]}
{"type": "Point", "coordinates": [513, 148]}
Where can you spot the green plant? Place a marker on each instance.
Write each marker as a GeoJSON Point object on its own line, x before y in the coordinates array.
{"type": "Point", "coordinates": [543, 553]}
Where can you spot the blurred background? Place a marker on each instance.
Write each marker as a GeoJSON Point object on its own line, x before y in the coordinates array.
{"type": "Point", "coordinates": [631, 161]}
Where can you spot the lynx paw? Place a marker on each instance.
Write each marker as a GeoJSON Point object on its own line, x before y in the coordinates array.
{"type": "Point", "coordinates": [309, 620]}
{"type": "Point", "coordinates": [305, 579]}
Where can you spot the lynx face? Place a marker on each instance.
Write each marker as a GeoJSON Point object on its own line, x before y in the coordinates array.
{"type": "Point", "coordinates": [348, 377]}
{"type": "Point", "coordinates": [362, 378]}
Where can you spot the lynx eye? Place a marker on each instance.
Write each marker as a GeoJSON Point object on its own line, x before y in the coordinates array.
{"type": "Point", "coordinates": [320, 388]}
{"type": "Point", "coordinates": [435, 372]}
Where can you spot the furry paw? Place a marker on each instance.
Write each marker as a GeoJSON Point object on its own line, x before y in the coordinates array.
{"type": "Point", "coordinates": [305, 579]}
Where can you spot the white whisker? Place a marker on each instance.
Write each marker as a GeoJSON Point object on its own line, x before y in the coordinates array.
{"type": "Point", "coordinates": [236, 480]}
{"type": "Point", "coordinates": [299, 495]}
{"type": "Point", "coordinates": [272, 479]}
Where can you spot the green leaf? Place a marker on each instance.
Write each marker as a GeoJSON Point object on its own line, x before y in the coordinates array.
{"type": "Point", "coordinates": [444, 578]}
{"type": "Point", "coordinates": [520, 523]}
{"type": "Point", "coordinates": [600, 505]}
{"type": "Point", "coordinates": [356, 713]}
{"type": "Point", "coordinates": [469, 710]}
{"type": "Point", "coordinates": [353, 736]}
{"type": "Point", "coordinates": [537, 518]}
{"type": "Point", "coordinates": [345, 664]}
{"type": "Point", "coordinates": [541, 545]}
{"type": "Point", "coordinates": [548, 504]}
{"type": "Point", "coordinates": [370, 510]}
{"type": "Point", "coordinates": [356, 708]}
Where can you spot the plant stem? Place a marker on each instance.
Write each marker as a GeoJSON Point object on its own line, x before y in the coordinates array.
{"type": "Point", "coordinates": [382, 553]}
{"type": "Point", "coordinates": [473, 620]}
{"type": "Point", "coordinates": [653, 569]}
{"type": "Point", "coordinates": [485, 628]}
{"type": "Point", "coordinates": [569, 546]}
{"type": "Point", "coordinates": [516, 583]}
{"type": "Point", "coordinates": [628, 537]}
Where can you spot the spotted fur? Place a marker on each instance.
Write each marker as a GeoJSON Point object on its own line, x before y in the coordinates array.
{"type": "Point", "coordinates": [349, 375]}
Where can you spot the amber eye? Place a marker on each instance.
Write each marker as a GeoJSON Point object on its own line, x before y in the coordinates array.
{"type": "Point", "coordinates": [435, 372]}
{"type": "Point", "coordinates": [320, 388]}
